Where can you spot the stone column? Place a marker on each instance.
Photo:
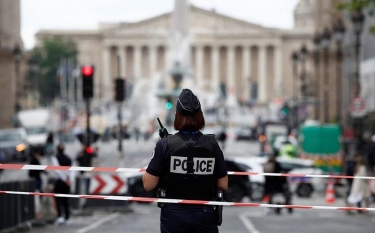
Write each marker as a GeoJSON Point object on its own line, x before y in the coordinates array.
{"type": "Point", "coordinates": [152, 59]}
{"type": "Point", "coordinates": [137, 61]}
{"type": "Point", "coordinates": [104, 89]}
{"type": "Point", "coordinates": [231, 77]}
{"type": "Point", "coordinates": [199, 66]}
{"type": "Point", "coordinates": [215, 68]}
{"type": "Point", "coordinates": [122, 55]}
{"type": "Point", "coordinates": [278, 71]}
{"type": "Point", "coordinates": [262, 73]}
{"type": "Point", "coordinates": [167, 60]}
{"type": "Point", "coordinates": [246, 71]}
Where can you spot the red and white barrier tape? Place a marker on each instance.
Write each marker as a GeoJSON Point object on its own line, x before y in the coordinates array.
{"type": "Point", "coordinates": [142, 170]}
{"type": "Point", "coordinates": [182, 201]}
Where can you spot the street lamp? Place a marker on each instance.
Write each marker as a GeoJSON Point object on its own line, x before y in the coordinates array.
{"type": "Point", "coordinates": [33, 63]}
{"type": "Point", "coordinates": [338, 35]}
{"type": "Point", "coordinates": [294, 58]}
{"type": "Point", "coordinates": [303, 58]}
{"type": "Point", "coordinates": [357, 19]}
{"type": "Point", "coordinates": [325, 42]}
{"type": "Point", "coordinates": [317, 48]}
{"type": "Point", "coordinates": [17, 59]}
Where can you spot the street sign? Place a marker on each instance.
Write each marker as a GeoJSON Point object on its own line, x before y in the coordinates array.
{"type": "Point", "coordinates": [108, 184]}
{"type": "Point", "coordinates": [358, 107]}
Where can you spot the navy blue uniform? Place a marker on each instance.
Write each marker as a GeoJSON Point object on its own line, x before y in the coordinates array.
{"type": "Point", "coordinates": [181, 217]}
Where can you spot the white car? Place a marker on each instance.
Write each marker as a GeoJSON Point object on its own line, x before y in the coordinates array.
{"type": "Point", "coordinates": [302, 186]}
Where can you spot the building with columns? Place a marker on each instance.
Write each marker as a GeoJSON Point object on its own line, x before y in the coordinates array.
{"type": "Point", "coordinates": [251, 61]}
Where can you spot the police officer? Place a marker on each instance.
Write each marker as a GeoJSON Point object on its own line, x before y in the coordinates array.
{"type": "Point", "coordinates": [187, 165]}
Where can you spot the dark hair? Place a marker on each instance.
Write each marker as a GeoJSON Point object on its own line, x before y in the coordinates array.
{"type": "Point", "coordinates": [60, 148]}
{"type": "Point", "coordinates": [189, 123]}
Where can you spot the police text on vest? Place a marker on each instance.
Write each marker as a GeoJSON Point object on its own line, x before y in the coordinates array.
{"type": "Point", "coordinates": [202, 166]}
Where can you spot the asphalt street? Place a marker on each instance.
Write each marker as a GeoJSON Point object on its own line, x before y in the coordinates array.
{"type": "Point", "coordinates": [145, 218]}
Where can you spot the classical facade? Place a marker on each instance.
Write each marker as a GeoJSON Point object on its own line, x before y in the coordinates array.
{"type": "Point", "coordinates": [11, 64]}
{"type": "Point", "coordinates": [252, 62]}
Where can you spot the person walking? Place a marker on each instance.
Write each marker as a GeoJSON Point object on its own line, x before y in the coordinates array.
{"type": "Point", "coordinates": [276, 184]}
{"type": "Point", "coordinates": [62, 185]}
{"type": "Point", "coordinates": [36, 174]}
{"type": "Point", "coordinates": [187, 165]}
{"type": "Point", "coordinates": [360, 190]}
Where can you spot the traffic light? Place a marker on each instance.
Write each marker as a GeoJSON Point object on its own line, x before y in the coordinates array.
{"type": "Point", "coordinates": [168, 105]}
{"type": "Point", "coordinates": [87, 73]}
{"type": "Point", "coordinates": [120, 89]}
{"type": "Point", "coordinates": [89, 150]}
{"type": "Point", "coordinates": [284, 112]}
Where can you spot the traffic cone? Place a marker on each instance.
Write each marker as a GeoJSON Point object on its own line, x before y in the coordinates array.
{"type": "Point", "coordinates": [266, 198]}
{"type": "Point", "coordinates": [330, 193]}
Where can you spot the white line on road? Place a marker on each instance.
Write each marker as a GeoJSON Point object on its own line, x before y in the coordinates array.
{"type": "Point", "coordinates": [98, 223]}
{"type": "Point", "coordinates": [248, 224]}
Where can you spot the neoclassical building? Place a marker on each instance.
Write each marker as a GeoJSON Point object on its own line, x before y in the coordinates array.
{"type": "Point", "coordinates": [249, 60]}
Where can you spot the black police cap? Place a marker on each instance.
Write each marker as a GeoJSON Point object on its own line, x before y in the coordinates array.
{"type": "Point", "coordinates": [188, 103]}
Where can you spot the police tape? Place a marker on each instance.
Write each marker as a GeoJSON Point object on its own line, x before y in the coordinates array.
{"type": "Point", "coordinates": [142, 170]}
{"type": "Point", "coordinates": [184, 201]}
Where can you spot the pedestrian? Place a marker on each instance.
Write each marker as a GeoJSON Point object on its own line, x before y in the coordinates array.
{"type": "Point", "coordinates": [49, 144]}
{"type": "Point", "coordinates": [187, 165]}
{"type": "Point", "coordinates": [360, 190]}
{"type": "Point", "coordinates": [350, 169]}
{"type": "Point", "coordinates": [62, 185]}
{"type": "Point", "coordinates": [36, 174]}
{"type": "Point", "coordinates": [276, 184]}
{"type": "Point", "coordinates": [222, 137]}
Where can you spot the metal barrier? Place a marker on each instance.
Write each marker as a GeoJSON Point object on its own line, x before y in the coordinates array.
{"type": "Point", "coordinates": [14, 209]}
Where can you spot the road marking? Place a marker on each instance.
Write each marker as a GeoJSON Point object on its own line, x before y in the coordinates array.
{"type": "Point", "coordinates": [247, 223]}
{"type": "Point", "coordinates": [98, 223]}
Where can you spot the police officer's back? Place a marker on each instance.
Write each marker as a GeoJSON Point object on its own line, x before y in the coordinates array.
{"type": "Point", "coordinates": [187, 165]}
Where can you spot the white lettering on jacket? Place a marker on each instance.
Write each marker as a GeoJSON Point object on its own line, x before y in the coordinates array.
{"type": "Point", "coordinates": [202, 166]}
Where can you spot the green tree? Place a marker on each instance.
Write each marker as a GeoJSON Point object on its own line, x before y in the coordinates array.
{"type": "Point", "coordinates": [47, 58]}
{"type": "Point", "coordinates": [359, 5]}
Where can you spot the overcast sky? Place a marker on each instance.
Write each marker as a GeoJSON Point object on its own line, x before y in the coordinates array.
{"type": "Point", "coordinates": [85, 14]}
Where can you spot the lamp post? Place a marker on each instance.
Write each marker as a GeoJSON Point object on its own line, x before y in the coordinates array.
{"type": "Point", "coordinates": [325, 42]}
{"type": "Point", "coordinates": [295, 120]}
{"type": "Point", "coordinates": [35, 79]}
{"type": "Point", "coordinates": [17, 59]}
{"type": "Point", "coordinates": [316, 40]}
{"type": "Point", "coordinates": [357, 20]}
{"type": "Point", "coordinates": [294, 58]}
{"type": "Point", "coordinates": [338, 34]}
{"type": "Point", "coordinates": [303, 57]}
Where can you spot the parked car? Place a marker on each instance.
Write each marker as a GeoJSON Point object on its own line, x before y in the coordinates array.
{"type": "Point", "coordinates": [245, 133]}
{"type": "Point", "coordinates": [302, 186]}
{"type": "Point", "coordinates": [14, 145]}
{"type": "Point", "coordinates": [238, 186]}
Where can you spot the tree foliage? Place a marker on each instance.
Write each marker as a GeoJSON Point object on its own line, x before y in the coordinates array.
{"type": "Point", "coordinates": [47, 57]}
{"type": "Point", "coordinates": [359, 5]}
